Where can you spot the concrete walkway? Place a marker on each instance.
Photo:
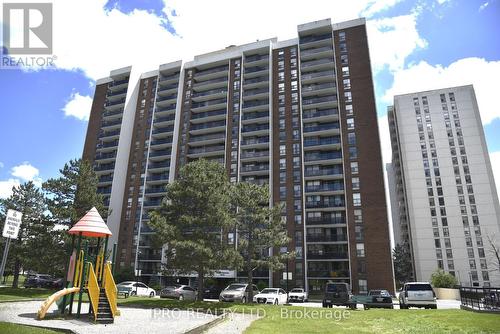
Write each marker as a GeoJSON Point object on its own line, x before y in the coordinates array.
{"type": "Point", "coordinates": [131, 320]}
{"type": "Point", "coordinates": [235, 323]}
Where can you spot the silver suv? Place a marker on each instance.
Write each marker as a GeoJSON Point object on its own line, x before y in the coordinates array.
{"type": "Point", "coordinates": [417, 294]}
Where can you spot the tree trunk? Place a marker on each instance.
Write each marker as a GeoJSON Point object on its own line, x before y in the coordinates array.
{"type": "Point", "coordinates": [17, 268]}
{"type": "Point", "coordinates": [201, 285]}
{"type": "Point", "coordinates": [250, 284]}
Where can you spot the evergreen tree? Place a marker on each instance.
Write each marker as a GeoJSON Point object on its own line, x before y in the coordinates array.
{"type": "Point", "coordinates": [403, 268]}
{"type": "Point", "coordinates": [193, 220]}
{"type": "Point", "coordinates": [259, 229]}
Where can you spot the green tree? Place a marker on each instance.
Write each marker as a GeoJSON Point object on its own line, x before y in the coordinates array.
{"type": "Point", "coordinates": [192, 220]}
{"type": "Point", "coordinates": [442, 279]}
{"type": "Point", "coordinates": [74, 193]}
{"type": "Point", "coordinates": [28, 200]}
{"type": "Point", "coordinates": [403, 268]}
{"type": "Point", "coordinates": [259, 228]}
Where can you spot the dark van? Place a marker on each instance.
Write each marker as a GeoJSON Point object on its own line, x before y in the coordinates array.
{"type": "Point", "coordinates": [338, 294]}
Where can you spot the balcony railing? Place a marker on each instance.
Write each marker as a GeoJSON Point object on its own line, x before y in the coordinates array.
{"type": "Point", "coordinates": [250, 128]}
{"type": "Point", "coordinates": [119, 82]}
{"type": "Point", "coordinates": [320, 113]}
{"type": "Point", "coordinates": [157, 177]}
{"type": "Point", "coordinates": [325, 221]}
{"type": "Point", "coordinates": [337, 186]}
{"type": "Point", "coordinates": [323, 171]}
{"type": "Point", "coordinates": [107, 144]}
{"type": "Point", "coordinates": [109, 133]}
{"type": "Point", "coordinates": [163, 130]}
{"type": "Point", "coordinates": [317, 75]}
{"type": "Point", "coordinates": [254, 115]}
{"type": "Point", "coordinates": [254, 168]}
{"type": "Point", "coordinates": [207, 103]}
{"type": "Point", "coordinates": [316, 62]}
{"type": "Point", "coordinates": [326, 238]}
{"type": "Point", "coordinates": [211, 70]}
{"type": "Point", "coordinates": [321, 141]}
{"type": "Point", "coordinates": [170, 77]}
{"type": "Point", "coordinates": [112, 113]}
{"type": "Point", "coordinates": [207, 137]}
{"type": "Point", "coordinates": [332, 255]}
{"type": "Point", "coordinates": [154, 190]}
{"type": "Point", "coordinates": [327, 273]}
{"type": "Point", "coordinates": [112, 103]}
{"type": "Point", "coordinates": [207, 125]}
{"type": "Point", "coordinates": [206, 149]}
{"type": "Point", "coordinates": [253, 141]}
{"type": "Point", "coordinates": [256, 80]}
{"type": "Point", "coordinates": [254, 154]}
{"type": "Point", "coordinates": [256, 69]}
{"type": "Point", "coordinates": [255, 92]}
{"type": "Point", "coordinates": [210, 92]}
{"type": "Point", "coordinates": [325, 204]}
{"type": "Point", "coordinates": [255, 103]}
{"type": "Point", "coordinates": [321, 127]}
{"type": "Point", "coordinates": [309, 52]}
{"type": "Point", "coordinates": [217, 80]}
{"type": "Point", "coordinates": [310, 88]}
{"type": "Point", "coordinates": [314, 38]}
{"type": "Point", "coordinates": [111, 123]}
{"type": "Point", "coordinates": [109, 155]}
{"type": "Point", "coordinates": [106, 178]}
{"type": "Point", "coordinates": [165, 118]}
{"type": "Point", "coordinates": [309, 101]}
{"type": "Point", "coordinates": [118, 92]}
{"type": "Point", "coordinates": [208, 114]}
{"type": "Point", "coordinates": [159, 153]}
{"type": "Point", "coordinates": [104, 167]}
{"type": "Point", "coordinates": [255, 58]}
{"type": "Point", "coordinates": [167, 140]}
{"type": "Point", "coordinates": [164, 164]}
{"type": "Point", "coordinates": [164, 98]}
{"type": "Point", "coordinates": [322, 156]}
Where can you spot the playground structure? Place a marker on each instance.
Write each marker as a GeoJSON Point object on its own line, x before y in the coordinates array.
{"type": "Point", "coordinates": [82, 278]}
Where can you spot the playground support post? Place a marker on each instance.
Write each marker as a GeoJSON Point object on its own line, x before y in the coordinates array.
{"type": "Point", "coordinates": [78, 246]}
{"type": "Point", "coordinates": [113, 259]}
{"type": "Point", "coordinates": [65, 282]}
{"type": "Point", "coordinates": [84, 272]}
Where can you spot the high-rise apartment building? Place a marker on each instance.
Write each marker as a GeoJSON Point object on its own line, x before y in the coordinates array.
{"type": "Point", "coordinates": [444, 196]}
{"type": "Point", "coordinates": [298, 115]}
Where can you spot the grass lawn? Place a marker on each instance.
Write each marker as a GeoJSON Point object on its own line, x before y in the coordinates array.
{"type": "Point", "coordinates": [23, 293]}
{"type": "Point", "coordinates": [6, 327]}
{"type": "Point", "coordinates": [281, 320]}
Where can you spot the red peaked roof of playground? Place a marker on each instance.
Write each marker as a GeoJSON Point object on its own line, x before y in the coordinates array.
{"type": "Point", "coordinates": [91, 225]}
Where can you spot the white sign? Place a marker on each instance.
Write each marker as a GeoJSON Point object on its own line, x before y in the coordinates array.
{"type": "Point", "coordinates": [289, 275]}
{"type": "Point", "coordinates": [138, 272]}
{"type": "Point", "coordinates": [12, 224]}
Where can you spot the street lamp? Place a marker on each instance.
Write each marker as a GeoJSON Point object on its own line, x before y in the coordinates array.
{"type": "Point", "coordinates": [287, 295]}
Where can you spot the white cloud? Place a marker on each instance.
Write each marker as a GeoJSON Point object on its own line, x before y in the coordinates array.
{"type": "Point", "coordinates": [378, 6]}
{"type": "Point", "coordinates": [1, 164]}
{"type": "Point", "coordinates": [78, 106]}
{"type": "Point", "coordinates": [483, 6]}
{"type": "Point", "coordinates": [392, 40]}
{"type": "Point", "coordinates": [112, 39]}
{"type": "Point", "coordinates": [6, 187]}
{"type": "Point", "coordinates": [26, 172]}
{"type": "Point", "coordinates": [479, 72]}
{"type": "Point", "coordinates": [495, 166]}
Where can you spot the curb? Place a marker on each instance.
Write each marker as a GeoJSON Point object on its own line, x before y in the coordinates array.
{"type": "Point", "coordinates": [203, 328]}
{"type": "Point", "coordinates": [23, 300]}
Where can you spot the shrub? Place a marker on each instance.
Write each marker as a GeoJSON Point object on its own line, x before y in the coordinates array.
{"type": "Point", "coordinates": [442, 279]}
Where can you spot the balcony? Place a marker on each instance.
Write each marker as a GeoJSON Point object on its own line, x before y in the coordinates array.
{"type": "Point", "coordinates": [318, 102]}
{"type": "Point", "coordinates": [327, 256]}
{"type": "Point", "coordinates": [316, 52]}
{"type": "Point", "coordinates": [166, 129]}
{"type": "Point", "coordinates": [255, 105]}
{"type": "Point", "coordinates": [318, 64]}
{"type": "Point", "coordinates": [158, 177]}
{"type": "Point", "coordinates": [111, 124]}
{"type": "Point", "coordinates": [160, 153]}
{"type": "Point", "coordinates": [164, 110]}
{"type": "Point", "coordinates": [112, 114]}
{"type": "Point", "coordinates": [107, 145]}
{"type": "Point", "coordinates": [256, 82]}
{"type": "Point", "coordinates": [318, 141]}
{"type": "Point", "coordinates": [167, 88]}
{"type": "Point", "coordinates": [109, 134]}
{"type": "Point", "coordinates": [254, 71]}
{"type": "Point", "coordinates": [254, 155]}
{"type": "Point", "coordinates": [104, 191]}
{"type": "Point", "coordinates": [323, 128]}
{"type": "Point", "coordinates": [169, 79]}
{"type": "Point", "coordinates": [161, 143]}
{"type": "Point", "coordinates": [208, 105]}
{"type": "Point", "coordinates": [256, 141]}
{"type": "Point", "coordinates": [210, 84]}
{"type": "Point", "coordinates": [255, 115]}
{"type": "Point", "coordinates": [208, 114]}
{"type": "Point", "coordinates": [325, 221]}
{"type": "Point", "coordinates": [255, 128]}
{"type": "Point", "coordinates": [326, 238]}
{"type": "Point", "coordinates": [318, 156]}
{"type": "Point", "coordinates": [117, 84]}
{"type": "Point", "coordinates": [156, 190]}
{"type": "Point", "coordinates": [322, 114]}
{"type": "Point", "coordinates": [326, 187]}
{"type": "Point", "coordinates": [105, 167]}
{"type": "Point", "coordinates": [322, 88]}
{"type": "Point", "coordinates": [256, 58]}
{"type": "Point", "coordinates": [254, 168]}
{"type": "Point", "coordinates": [114, 102]}
{"type": "Point", "coordinates": [106, 178]}
{"type": "Point", "coordinates": [113, 94]}
{"type": "Point", "coordinates": [165, 164]}
{"type": "Point", "coordinates": [211, 73]}
{"type": "Point", "coordinates": [339, 203]}
{"type": "Point", "coordinates": [255, 93]}
{"type": "Point", "coordinates": [328, 274]}
{"type": "Point", "coordinates": [209, 94]}
{"type": "Point", "coordinates": [208, 125]}
{"type": "Point", "coordinates": [105, 156]}
{"type": "Point", "coordinates": [206, 149]}
{"type": "Point", "coordinates": [323, 172]}
{"type": "Point", "coordinates": [315, 38]}
{"type": "Point", "coordinates": [207, 139]}
{"type": "Point", "coordinates": [163, 120]}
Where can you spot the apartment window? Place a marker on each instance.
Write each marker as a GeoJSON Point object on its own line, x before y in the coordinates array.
{"type": "Point", "coordinates": [281, 76]}
{"type": "Point", "coordinates": [363, 285]}
{"type": "Point", "coordinates": [351, 138]}
{"type": "Point", "coordinates": [281, 65]}
{"type": "Point", "coordinates": [343, 47]}
{"type": "Point", "coordinates": [282, 149]}
{"type": "Point", "coordinates": [347, 83]}
{"type": "Point", "coordinates": [294, 85]}
{"type": "Point", "coordinates": [356, 199]}
{"type": "Point", "coordinates": [345, 71]}
{"type": "Point", "coordinates": [348, 97]}
{"type": "Point", "coordinates": [282, 163]}
{"type": "Point", "coordinates": [358, 229]}
{"type": "Point", "coordinates": [298, 219]}
{"type": "Point", "coordinates": [342, 36]}
{"type": "Point", "coordinates": [344, 60]}
{"type": "Point", "coordinates": [348, 110]}
{"type": "Point", "coordinates": [230, 238]}
{"type": "Point", "coordinates": [281, 87]}
{"type": "Point", "coordinates": [358, 216]}
{"type": "Point", "coordinates": [355, 183]}
{"type": "Point", "coordinates": [350, 123]}
{"type": "Point", "coordinates": [354, 167]}
{"type": "Point", "coordinates": [353, 152]}
{"type": "Point", "coordinates": [360, 250]}
{"type": "Point", "coordinates": [293, 74]}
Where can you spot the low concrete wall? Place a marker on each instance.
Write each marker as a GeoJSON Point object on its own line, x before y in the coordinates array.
{"type": "Point", "coordinates": [443, 293]}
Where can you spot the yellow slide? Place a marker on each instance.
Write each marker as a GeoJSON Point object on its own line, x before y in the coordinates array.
{"type": "Point", "coordinates": [55, 296]}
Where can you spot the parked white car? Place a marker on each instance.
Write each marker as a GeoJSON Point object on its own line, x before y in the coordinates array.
{"type": "Point", "coordinates": [417, 294]}
{"type": "Point", "coordinates": [297, 295]}
{"type": "Point", "coordinates": [131, 288]}
{"type": "Point", "coordinates": [271, 296]}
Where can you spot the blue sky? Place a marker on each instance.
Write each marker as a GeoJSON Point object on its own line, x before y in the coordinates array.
{"type": "Point", "coordinates": [44, 113]}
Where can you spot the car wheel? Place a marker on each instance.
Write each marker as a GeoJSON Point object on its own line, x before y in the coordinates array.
{"type": "Point", "coordinates": [244, 300]}
{"type": "Point", "coordinates": [366, 307]}
{"type": "Point", "coordinates": [324, 305]}
{"type": "Point", "coordinates": [403, 307]}
{"type": "Point", "coordinates": [152, 294]}
{"type": "Point", "coordinates": [133, 293]}
{"type": "Point", "coordinates": [181, 297]}
{"type": "Point", "coordinates": [275, 302]}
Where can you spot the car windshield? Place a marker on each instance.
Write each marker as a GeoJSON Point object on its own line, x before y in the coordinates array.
{"type": "Point", "coordinates": [419, 287]}
{"type": "Point", "coordinates": [237, 287]}
{"type": "Point", "coordinates": [297, 290]}
{"type": "Point", "coordinates": [375, 292]}
{"type": "Point", "coordinates": [125, 284]}
{"type": "Point", "coordinates": [172, 287]}
{"type": "Point", "coordinates": [270, 291]}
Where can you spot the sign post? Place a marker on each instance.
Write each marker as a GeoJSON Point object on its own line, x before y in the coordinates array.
{"type": "Point", "coordinates": [10, 231]}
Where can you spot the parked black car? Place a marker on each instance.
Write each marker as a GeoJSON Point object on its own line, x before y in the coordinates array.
{"type": "Point", "coordinates": [39, 281]}
{"type": "Point", "coordinates": [378, 298]}
{"type": "Point", "coordinates": [212, 292]}
{"type": "Point", "coordinates": [338, 294]}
